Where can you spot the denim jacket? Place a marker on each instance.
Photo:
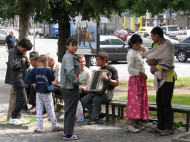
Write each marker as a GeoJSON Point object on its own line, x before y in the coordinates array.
{"type": "Point", "coordinates": [70, 69]}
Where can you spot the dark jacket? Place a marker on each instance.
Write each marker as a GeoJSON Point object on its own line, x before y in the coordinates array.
{"type": "Point", "coordinates": [16, 68]}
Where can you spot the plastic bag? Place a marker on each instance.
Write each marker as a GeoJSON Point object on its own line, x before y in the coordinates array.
{"type": "Point", "coordinates": [79, 117]}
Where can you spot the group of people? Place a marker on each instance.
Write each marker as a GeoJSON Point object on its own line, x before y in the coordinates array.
{"type": "Point", "coordinates": [71, 78]}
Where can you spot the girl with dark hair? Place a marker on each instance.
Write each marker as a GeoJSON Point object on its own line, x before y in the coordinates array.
{"type": "Point", "coordinates": [69, 83]}
{"type": "Point", "coordinates": [137, 105]}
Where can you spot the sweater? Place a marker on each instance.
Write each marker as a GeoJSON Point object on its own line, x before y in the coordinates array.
{"type": "Point", "coordinates": [43, 78]}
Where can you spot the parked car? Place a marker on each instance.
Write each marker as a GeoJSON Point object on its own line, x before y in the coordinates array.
{"type": "Point", "coordinates": [171, 30]}
{"type": "Point", "coordinates": [115, 47]}
{"type": "Point", "coordinates": [182, 50]}
{"type": "Point", "coordinates": [122, 34]}
{"type": "Point", "coordinates": [147, 40]}
{"type": "Point", "coordinates": [145, 28]}
{"type": "Point", "coordinates": [130, 31]}
{"type": "Point", "coordinates": [5, 32]}
{"type": "Point", "coordinates": [183, 35]}
{"type": "Point", "coordinates": [38, 31]}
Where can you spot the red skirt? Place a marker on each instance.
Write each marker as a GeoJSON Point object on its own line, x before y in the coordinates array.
{"type": "Point", "coordinates": [137, 104]}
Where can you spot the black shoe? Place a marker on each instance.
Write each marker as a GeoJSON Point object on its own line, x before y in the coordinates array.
{"type": "Point", "coordinates": [92, 121]}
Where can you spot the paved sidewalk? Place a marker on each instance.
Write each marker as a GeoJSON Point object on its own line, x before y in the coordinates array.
{"type": "Point", "coordinates": [101, 132]}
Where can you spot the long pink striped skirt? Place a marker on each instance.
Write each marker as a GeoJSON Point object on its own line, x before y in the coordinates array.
{"type": "Point", "coordinates": [137, 104]}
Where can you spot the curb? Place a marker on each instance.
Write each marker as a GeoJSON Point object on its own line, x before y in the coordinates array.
{"type": "Point", "coordinates": [179, 139]}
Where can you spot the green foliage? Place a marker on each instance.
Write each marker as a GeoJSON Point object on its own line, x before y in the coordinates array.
{"type": "Point", "coordinates": [178, 124]}
{"type": "Point", "coordinates": [180, 83]}
{"type": "Point", "coordinates": [9, 8]}
{"type": "Point", "coordinates": [182, 99]}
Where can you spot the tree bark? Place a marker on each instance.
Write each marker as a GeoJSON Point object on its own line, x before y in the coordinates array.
{"type": "Point", "coordinates": [64, 34]}
{"type": "Point", "coordinates": [23, 25]}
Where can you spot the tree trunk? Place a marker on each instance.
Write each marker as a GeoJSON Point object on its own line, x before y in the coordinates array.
{"type": "Point", "coordinates": [23, 25]}
{"type": "Point", "coordinates": [64, 34]}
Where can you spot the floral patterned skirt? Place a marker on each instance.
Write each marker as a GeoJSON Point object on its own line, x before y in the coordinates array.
{"type": "Point", "coordinates": [137, 104]}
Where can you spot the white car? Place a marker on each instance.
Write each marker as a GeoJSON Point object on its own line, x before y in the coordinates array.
{"type": "Point", "coordinates": [147, 40]}
{"type": "Point", "coordinates": [183, 35]}
{"type": "Point", "coordinates": [5, 32]}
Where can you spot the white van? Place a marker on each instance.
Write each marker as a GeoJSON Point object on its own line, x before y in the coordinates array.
{"type": "Point", "coordinates": [171, 30]}
{"type": "Point", "coordinates": [184, 34]}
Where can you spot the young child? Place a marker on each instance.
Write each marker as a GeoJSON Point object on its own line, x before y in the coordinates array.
{"type": "Point", "coordinates": [162, 55]}
{"type": "Point", "coordinates": [43, 77]}
{"type": "Point", "coordinates": [137, 105]}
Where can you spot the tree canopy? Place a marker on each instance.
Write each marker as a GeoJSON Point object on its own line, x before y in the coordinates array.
{"type": "Point", "coordinates": [60, 11]}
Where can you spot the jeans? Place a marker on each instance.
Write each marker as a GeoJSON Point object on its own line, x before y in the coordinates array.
{"type": "Point", "coordinates": [71, 98]}
{"type": "Point", "coordinates": [21, 100]}
{"type": "Point", "coordinates": [93, 102]}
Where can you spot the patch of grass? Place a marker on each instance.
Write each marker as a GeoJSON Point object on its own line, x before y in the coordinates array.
{"type": "Point", "coordinates": [182, 99]}
{"type": "Point", "coordinates": [181, 83]}
{"type": "Point", "coordinates": [176, 99]}
{"type": "Point", "coordinates": [31, 119]}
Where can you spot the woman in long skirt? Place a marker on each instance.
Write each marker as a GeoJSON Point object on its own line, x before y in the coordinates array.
{"type": "Point", "coordinates": [137, 104]}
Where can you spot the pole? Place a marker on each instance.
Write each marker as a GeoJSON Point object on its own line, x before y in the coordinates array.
{"type": "Point", "coordinates": [34, 37]}
{"type": "Point", "coordinates": [98, 34]}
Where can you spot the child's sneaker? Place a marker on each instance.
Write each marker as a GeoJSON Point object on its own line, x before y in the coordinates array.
{"type": "Point", "coordinates": [16, 122]}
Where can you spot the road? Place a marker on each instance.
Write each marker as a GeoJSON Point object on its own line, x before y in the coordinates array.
{"type": "Point", "coordinates": [44, 46]}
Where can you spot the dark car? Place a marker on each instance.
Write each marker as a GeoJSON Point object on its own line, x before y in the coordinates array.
{"type": "Point", "coordinates": [182, 50]}
{"type": "Point", "coordinates": [122, 34]}
{"type": "Point", "coordinates": [115, 47]}
{"type": "Point", "coordinates": [130, 31]}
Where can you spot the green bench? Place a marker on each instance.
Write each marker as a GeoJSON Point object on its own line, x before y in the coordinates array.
{"type": "Point", "coordinates": [121, 104]}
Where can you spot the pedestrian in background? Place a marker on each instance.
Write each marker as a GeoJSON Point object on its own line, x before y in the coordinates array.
{"type": "Point", "coordinates": [16, 72]}
{"type": "Point", "coordinates": [43, 77]}
{"type": "Point", "coordinates": [10, 42]}
{"type": "Point", "coordinates": [137, 104]}
{"type": "Point", "coordinates": [69, 84]}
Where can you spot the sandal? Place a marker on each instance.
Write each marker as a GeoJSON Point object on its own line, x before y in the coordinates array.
{"type": "Point", "coordinates": [73, 137]}
{"type": "Point", "coordinates": [63, 135]}
{"type": "Point", "coordinates": [57, 129]}
{"type": "Point", "coordinates": [37, 131]}
{"type": "Point", "coordinates": [155, 130]}
{"type": "Point", "coordinates": [166, 132]}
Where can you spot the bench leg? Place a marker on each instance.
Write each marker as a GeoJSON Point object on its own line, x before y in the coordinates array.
{"type": "Point", "coordinates": [187, 122]}
{"type": "Point", "coordinates": [119, 111]}
{"type": "Point", "coordinates": [107, 113]}
{"type": "Point", "coordinates": [113, 113]}
{"type": "Point", "coordinates": [122, 112]}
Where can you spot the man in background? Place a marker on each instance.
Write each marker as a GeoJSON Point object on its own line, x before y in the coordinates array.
{"type": "Point", "coordinates": [10, 42]}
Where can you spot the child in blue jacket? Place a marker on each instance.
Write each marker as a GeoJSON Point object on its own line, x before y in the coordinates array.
{"type": "Point", "coordinates": [43, 77]}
